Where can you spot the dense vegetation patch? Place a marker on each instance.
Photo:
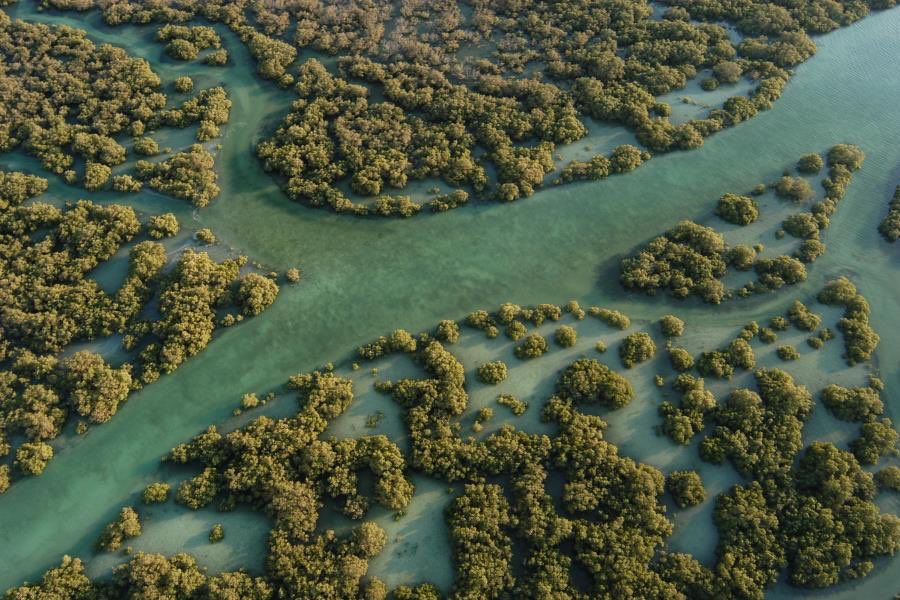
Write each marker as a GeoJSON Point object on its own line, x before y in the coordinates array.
{"type": "Point", "coordinates": [410, 101]}
{"type": "Point", "coordinates": [860, 339]}
{"type": "Point", "coordinates": [600, 529]}
{"type": "Point", "coordinates": [740, 210]}
{"type": "Point", "coordinates": [50, 301]}
{"type": "Point", "coordinates": [69, 103]}
{"type": "Point", "coordinates": [890, 226]}
{"type": "Point", "coordinates": [692, 259]}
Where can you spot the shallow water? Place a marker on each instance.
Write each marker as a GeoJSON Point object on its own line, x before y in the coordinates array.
{"type": "Point", "coordinates": [365, 277]}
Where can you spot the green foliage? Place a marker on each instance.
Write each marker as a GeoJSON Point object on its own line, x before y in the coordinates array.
{"type": "Point", "coordinates": [588, 381]}
{"type": "Point", "coordinates": [292, 275]}
{"type": "Point", "coordinates": [206, 236]}
{"type": "Point", "coordinates": [722, 363]}
{"type": "Point", "coordinates": [773, 273]}
{"type": "Point", "coordinates": [64, 105]}
{"type": "Point", "coordinates": [802, 317]}
{"type": "Point", "coordinates": [890, 226]}
{"type": "Point", "coordinates": [249, 401]}
{"type": "Point", "coordinates": [810, 250]}
{"type": "Point", "coordinates": [164, 225]}
{"type": "Point", "coordinates": [96, 175]}
{"type": "Point", "coordinates": [427, 115]}
{"type": "Point", "coordinates": [681, 359]}
{"type": "Point", "coordinates": [515, 405]}
{"type": "Point", "coordinates": [801, 225]}
{"type": "Point", "coordinates": [216, 534]}
{"type": "Point", "coordinates": [187, 304]}
{"type": "Point", "coordinates": [876, 439]}
{"type": "Point", "coordinates": [51, 301]}
{"type": "Point", "coordinates": [187, 175]}
{"type": "Point", "coordinates": [793, 188]}
{"type": "Point", "coordinates": [482, 552]}
{"type": "Point", "coordinates": [727, 71]}
{"type": "Point", "coordinates": [94, 388]}
{"type": "Point", "coordinates": [611, 317]}
{"type": "Point", "coordinates": [598, 167]}
{"type": "Point", "coordinates": [481, 319]}
{"type": "Point", "coordinates": [114, 90]}
{"type": "Point", "coordinates": [848, 155]}
{"type": "Point", "coordinates": [740, 210]}
{"type": "Point", "coordinates": [207, 131]}
{"type": "Point", "coordinates": [492, 373]}
{"type": "Point", "coordinates": [790, 516]}
{"type": "Point", "coordinates": [199, 491]}
{"type": "Point", "coordinates": [573, 308]}
{"type": "Point", "coordinates": [146, 146]}
{"type": "Point", "coordinates": [255, 293]}
{"type": "Point", "coordinates": [447, 331]}
{"type": "Point", "coordinates": [565, 336]}
{"type": "Point", "coordinates": [779, 323]}
{"type": "Point", "coordinates": [888, 478]}
{"type": "Point", "coordinates": [126, 526]}
{"type": "Point", "coordinates": [399, 341]}
{"type": "Point", "coordinates": [216, 58]}
{"type": "Point", "coordinates": [182, 49]}
{"type": "Point", "coordinates": [683, 422]}
{"type": "Point", "coordinates": [671, 326]}
{"type": "Point", "coordinates": [740, 354]}
{"type": "Point", "coordinates": [858, 404]}
{"type": "Point", "coordinates": [860, 339]}
{"type": "Point", "coordinates": [636, 348]}
{"type": "Point", "coordinates": [687, 259]}
{"type": "Point", "coordinates": [810, 163]}
{"type": "Point", "coordinates": [32, 457]}
{"type": "Point", "coordinates": [449, 201]}
{"type": "Point", "coordinates": [156, 493]}
{"type": "Point", "coordinates": [747, 419]}
{"type": "Point", "coordinates": [435, 104]}
{"type": "Point", "coordinates": [185, 43]}
{"type": "Point", "coordinates": [183, 84]}
{"type": "Point", "coordinates": [533, 346]}
{"type": "Point", "coordinates": [741, 257]}
{"type": "Point", "coordinates": [787, 352]}
{"type": "Point", "coordinates": [611, 522]}
{"type": "Point", "coordinates": [686, 488]}
{"type": "Point", "coordinates": [68, 580]}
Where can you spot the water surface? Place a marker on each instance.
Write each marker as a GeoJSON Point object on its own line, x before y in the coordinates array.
{"type": "Point", "coordinates": [365, 277]}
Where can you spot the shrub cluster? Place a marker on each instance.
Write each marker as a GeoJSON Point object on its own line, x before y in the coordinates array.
{"type": "Point", "coordinates": [509, 536]}
{"type": "Point", "coordinates": [68, 102]}
{"type": "Point", "coordinates": [722, 363]}
{"type": "Point", "coordinates": [50, 301]}
{"type": "Point", "coordinates": [890, 226]}
{"type": "Point", "coordinates": [492, 373]}
{"type": "Point", "coordinates": [860, 339]}
{"type": "Point", "coordinates": [671, 326]}
{"type": "Point", "coordinates": [565, 336]}
{"type": "Point", "coordinates": [686, 488]}
{"type": "Point", "coordinates": [125, 527]}
{"type": "Point", "coordinates": [691, 259]}
{"type": "Point", "coordinates": [681, 423]}
{"type": "Point", "coordinates": [435, 104]}
{"type": "Point", "coordinates": [636, 348]}
{"type": "Point", "coordinates": [740, 210]}
{"type": "Point", "coordinates": [185, 42]}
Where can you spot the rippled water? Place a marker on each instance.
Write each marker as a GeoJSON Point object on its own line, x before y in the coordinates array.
{"type": "Point", "coordinates": [362, 278]}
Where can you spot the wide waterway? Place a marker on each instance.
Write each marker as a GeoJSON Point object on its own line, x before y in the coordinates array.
{"type": "Point", "coordinates": [364, 277]}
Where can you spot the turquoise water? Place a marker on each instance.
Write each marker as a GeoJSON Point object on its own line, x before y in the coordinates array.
{"type": "Point", "coordinates": [362, 278]}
